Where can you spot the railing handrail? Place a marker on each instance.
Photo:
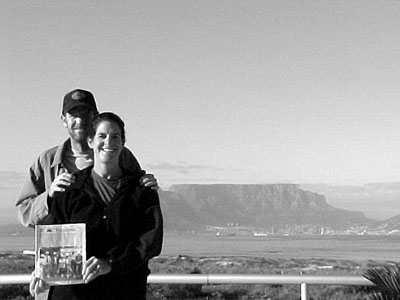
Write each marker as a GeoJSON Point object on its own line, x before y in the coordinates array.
{"type": "Point", "coordinates": [227, 279]}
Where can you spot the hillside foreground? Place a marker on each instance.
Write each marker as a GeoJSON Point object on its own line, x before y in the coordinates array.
{"type": "Point", "coordinates": [17, 263]}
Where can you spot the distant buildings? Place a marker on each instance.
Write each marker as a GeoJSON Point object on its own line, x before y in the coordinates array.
{"type": "Point", "coordinates": [303, 229]}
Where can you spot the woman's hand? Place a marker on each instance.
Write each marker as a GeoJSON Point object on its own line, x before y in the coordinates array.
{"type": "Point", "coordinates": [37, 285]}
{"type": "Point", "coordinates": [95, 267]}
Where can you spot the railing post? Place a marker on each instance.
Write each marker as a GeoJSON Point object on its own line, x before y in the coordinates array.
{"type": "Point", "coordinates": [303, 291]}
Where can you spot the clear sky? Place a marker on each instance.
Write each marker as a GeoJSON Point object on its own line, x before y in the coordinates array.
{"type": "Point", "coordinates": [212, 91]}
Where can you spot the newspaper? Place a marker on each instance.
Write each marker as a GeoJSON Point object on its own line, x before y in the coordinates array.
{"type": "Point", "coordinates": [60, 253]}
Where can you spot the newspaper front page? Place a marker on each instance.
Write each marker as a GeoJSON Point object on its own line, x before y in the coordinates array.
{"type": "Point", "coordinates": [60, 253]}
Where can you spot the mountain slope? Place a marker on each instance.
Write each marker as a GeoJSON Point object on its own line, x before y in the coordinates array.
{"type": "Point", "coordinates": [250, 205]}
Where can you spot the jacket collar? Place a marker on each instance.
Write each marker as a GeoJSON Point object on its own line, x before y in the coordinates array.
{"type": "Point", "coordinates": [130, 176]}
{"type": "Point", "coordinates": [58, 156]}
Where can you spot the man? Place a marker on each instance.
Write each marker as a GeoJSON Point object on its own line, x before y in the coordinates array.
{"type": "Point", "coordinates": [53, 170]}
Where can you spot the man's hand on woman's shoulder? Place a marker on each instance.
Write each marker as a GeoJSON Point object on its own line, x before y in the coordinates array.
{"type": "Point", "coordinates": [148, 180]}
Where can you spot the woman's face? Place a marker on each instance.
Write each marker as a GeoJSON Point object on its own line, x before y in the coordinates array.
{"type": "Point", "coordinates": [107, 142]}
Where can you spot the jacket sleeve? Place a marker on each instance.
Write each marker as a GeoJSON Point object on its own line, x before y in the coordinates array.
{"type": "Point", "coordinates": [128, 257]}
{"type": "Point", "coordinates": [58, 211]}
{"type": "Point", "coordinates": [32, 200]}
{"type": "Point", "coordinates": [128, 161]}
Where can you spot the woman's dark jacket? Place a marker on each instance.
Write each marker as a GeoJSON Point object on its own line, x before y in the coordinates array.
{"type": "Point", "coordinates": [128, 231]}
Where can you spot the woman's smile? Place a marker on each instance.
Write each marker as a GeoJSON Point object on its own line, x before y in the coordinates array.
{"type": "Point", "coordinates": [107, 142]}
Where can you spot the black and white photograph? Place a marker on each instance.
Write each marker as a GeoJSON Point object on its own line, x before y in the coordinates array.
{"type": "Point", "coordinates": [214, 149]}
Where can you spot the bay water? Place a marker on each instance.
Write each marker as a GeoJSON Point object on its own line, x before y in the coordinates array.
{"type": "Point", "coordinates": [344, 247]}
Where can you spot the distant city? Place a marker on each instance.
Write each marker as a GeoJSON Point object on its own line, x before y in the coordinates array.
{"type": "Point", "coordinates": [305, 229]}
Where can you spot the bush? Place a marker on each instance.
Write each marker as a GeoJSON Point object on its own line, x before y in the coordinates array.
{"type": "Point", "coordinates": [387, 281]}
{"type": "Point", "coordinates": [15, 292]}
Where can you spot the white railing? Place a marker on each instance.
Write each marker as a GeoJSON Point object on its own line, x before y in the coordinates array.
{"type": "Point", "coordinates": [207, 279]}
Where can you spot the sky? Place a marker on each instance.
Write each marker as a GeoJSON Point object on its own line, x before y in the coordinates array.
{"type": "Point", "coordinates": [212, 91]}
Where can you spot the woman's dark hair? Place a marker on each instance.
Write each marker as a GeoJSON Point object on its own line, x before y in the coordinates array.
{"type": "Point", "coordinates": [111, 117]}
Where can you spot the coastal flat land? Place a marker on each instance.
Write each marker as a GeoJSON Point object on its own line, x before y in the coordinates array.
{"type": "Point", "coordinates": [211, 254]}
{"type": "Point", "coordinates": [358, 247]}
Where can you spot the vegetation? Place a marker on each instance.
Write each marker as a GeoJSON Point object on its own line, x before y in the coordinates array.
{"type": "Point", "coordinates": [15, 263]}
{"type": "Point", "coordinates": [251, 265]}
{"type": "Point", "coordinates": [11, 263]}
{"type": "Point", "coordinates": [387, 281]}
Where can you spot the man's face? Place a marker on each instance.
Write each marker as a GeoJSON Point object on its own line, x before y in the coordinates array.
{"type": "Point", "coordinates": [77, 122]}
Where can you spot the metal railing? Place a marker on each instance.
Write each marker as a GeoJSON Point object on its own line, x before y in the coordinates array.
{"type": "Point", "coordinates": [215, 279]}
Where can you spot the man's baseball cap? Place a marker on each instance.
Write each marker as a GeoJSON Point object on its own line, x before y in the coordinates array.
{"type": "Point", "coordinates": [77, 98]}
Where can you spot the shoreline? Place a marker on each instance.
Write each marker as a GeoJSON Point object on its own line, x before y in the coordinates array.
{"type": "Point", "coordinates": [344, 248]}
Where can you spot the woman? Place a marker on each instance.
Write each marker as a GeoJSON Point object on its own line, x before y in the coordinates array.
{"type": "Point", "coordinates": [123, 221]}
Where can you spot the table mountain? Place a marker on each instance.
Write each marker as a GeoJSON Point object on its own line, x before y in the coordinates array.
{"type": "Point", "coordinates": [198, 205]}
